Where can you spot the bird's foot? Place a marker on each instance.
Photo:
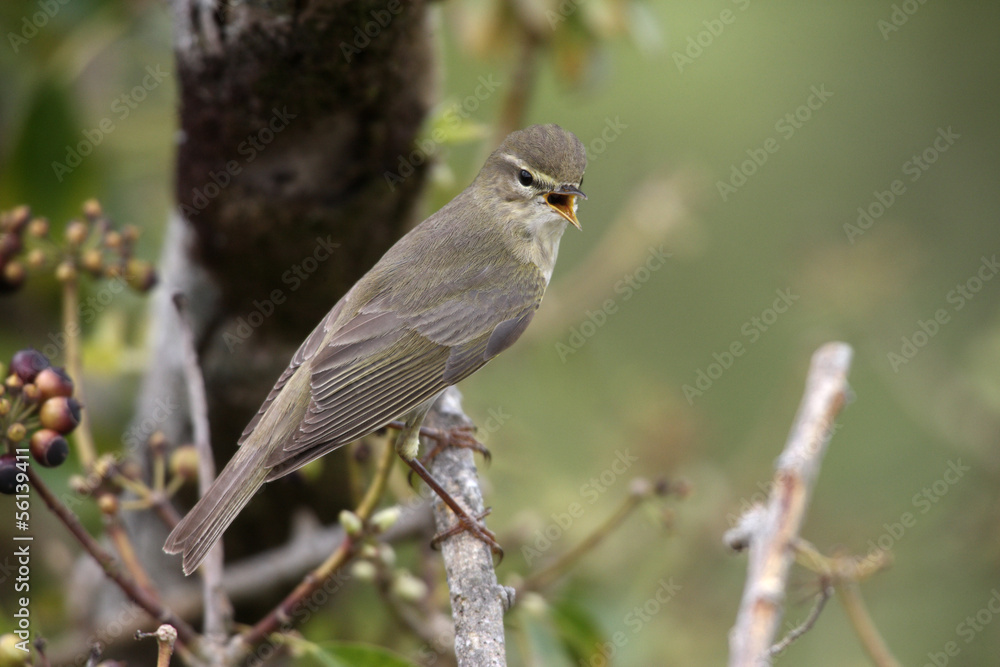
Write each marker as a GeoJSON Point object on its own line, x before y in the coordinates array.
{"type": "Point", "coordinates": [474, 525]}
{"type": "Point", "coordinates": [466, 521]}
{"type": "Point", "coordinates": [462, 437]}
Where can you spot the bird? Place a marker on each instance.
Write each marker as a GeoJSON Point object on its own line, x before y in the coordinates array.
{"type": "Point", "coordinates": [449, 296]}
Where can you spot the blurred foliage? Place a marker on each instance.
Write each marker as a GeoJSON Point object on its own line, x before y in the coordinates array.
{"type": "Point", "coordinates": [694, 90]}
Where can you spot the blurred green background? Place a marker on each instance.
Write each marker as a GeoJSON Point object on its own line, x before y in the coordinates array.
{"type": "Point", "coordinates": [688, 115]}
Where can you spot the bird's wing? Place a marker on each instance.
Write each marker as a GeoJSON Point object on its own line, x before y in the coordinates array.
{"type": "Point", "coordinates": [386, 361]}
{"type": "Point", "coordinates": [309, 347]}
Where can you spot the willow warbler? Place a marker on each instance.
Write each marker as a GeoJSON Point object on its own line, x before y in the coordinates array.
{"type": "Point", "coordinates": [450, 295]}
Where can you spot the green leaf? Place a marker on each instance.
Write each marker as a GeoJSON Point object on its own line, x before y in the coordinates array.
{"type": "Point", "coordinates": [578, 631]}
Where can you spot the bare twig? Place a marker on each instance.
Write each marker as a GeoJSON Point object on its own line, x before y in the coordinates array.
{"type": "Point", "coordinates": [165, 636]}
{"type": "Point", "coordinates": [639, 491]}
{"type": "Point", "coordinates": [850, 597]}
{"type": "Point", "coordinates": [806, 625]}
{"type": "Point", "coordinates": [128, 586]}
{"type": "Point", "coordinates": [772, 534]}
{"type": "Point", "coordinates": [71, 326]}
{"type": "Point", "coordinates": [215, 602]}
{"type": "Point", "coordinates": [320, 578]}
{"type": "Point", "coordinates": [477, 600]}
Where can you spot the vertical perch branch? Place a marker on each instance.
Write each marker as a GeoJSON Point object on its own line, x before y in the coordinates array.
{"type": "Point", "coordinates": [215, 602]}
{"type": "Point", "coordinates": [771, 532]}
{"type": "Point", "coordinates": [477, 600]}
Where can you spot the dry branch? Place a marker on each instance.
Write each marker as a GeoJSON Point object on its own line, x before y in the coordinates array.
{"type": "Point", "coordinates": [771, 531]}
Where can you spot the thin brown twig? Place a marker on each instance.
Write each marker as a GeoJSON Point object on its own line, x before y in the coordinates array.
{"type": "Point", "coordinates": [283, 613]}
{"type": "Point", "coordinates": [849, 594]}
{"type": "Point", "coordinates": [772, 532]}
{"type": "Point", "coordinates": [216, 604]}
{"type": "Point", "coordinates": [107, 562]}
{"type": "Point", "coordinates": [806, 625]}
{"type": "Point", "coordinates": [123, 545]}
{"type": "Point", "coordinates": [71, 327]}
{"type": "Point", "coordinates": [514, 107]}
{"type": "Point", "coordinates": [564, 563]}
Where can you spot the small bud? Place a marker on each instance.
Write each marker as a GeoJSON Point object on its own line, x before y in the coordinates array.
{"type": "Point", "coordinates": [113, 239]}
{"type": "Point", "coordinates": [534, 604]}
{"type": "Point", "coordinates": [78, 485]}
{"type": "Point", "coordinates": [408, 588]}
{"type": "Point", "coordinates": [54, 381]}
{"type": "Point", "coordinates": [66, 272]}
{"type": "Point", "coordinates": [60, 414]}
{"type": "Point", "coordinates": [157, 441]}
{"type": "Point", "coordinates": [363, 570]}
{"type": "Point", "coordinates": [19, 218]}
{"type": "Point", "coordinates": [130, 233]}
{"type": "Point", "coordinates": [4, 406]}
{"type": "Point", "coordinates": [49, 448]}
{"type": "Point", "coordinates": [386, 554]}
{"type": "Point", "coordinates": [140, 275]}
{"type": "Point", "coordinates": [368, 552]}
{"type": "Point", "coordinates": [28, 363]}
{"type": "Point", "coordinates": [16, 432]}
{"type": "Point", "coordinates": [14, 383]}
{"type": "Point", "coordinates": [30, 393]}
{"type": "Point", "coordinates": [11, 653]}
{"type": "Point", "coordinates": [11, 277]}
{"type": "Point", "coordinates": [76, 232]}
{"type": "Point", "coordinates": [640, 487]}
{"type": "Point", "coordinates": [385, 519]}
{"type": "Point", "coordinates": [8, 474]}
{"type": "Point", "coordinates": [92, 209]}
{"type": "Point", "coordinates": [36, 258]}
{"type": "Point", "coordinates": [113, 271]}
{"type": "Point", "coordinates": [184, 462]}
{"type": "Point", "coordinates": [93, 261]}
{"type": "Point", "coordinates": [107, 503]}
{"type": "Point", "coordinates": [39, 228]}
{"type": "Point", "coordinates": [104, 466]}
{"type": "Point", "coordinates": [351, 523]}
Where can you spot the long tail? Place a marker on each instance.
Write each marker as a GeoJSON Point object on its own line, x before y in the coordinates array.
{"type": "Point", "coordinates": [208, 519]}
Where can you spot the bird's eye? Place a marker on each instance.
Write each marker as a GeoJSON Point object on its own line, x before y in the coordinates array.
{"type": "Point", "coordinates": [525, 178]}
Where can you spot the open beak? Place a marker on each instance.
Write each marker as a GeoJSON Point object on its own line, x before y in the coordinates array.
{"type": "Point", "coordinates": [563, 201]}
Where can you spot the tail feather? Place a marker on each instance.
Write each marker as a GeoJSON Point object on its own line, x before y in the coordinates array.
{"type": "Point", "coordinates": [198, 532]}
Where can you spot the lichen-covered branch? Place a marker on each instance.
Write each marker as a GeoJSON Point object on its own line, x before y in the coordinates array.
{"type": "Point", "coordinates": [478, 602]}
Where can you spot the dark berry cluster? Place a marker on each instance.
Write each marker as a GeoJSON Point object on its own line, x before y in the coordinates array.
{"type": "Point", "coordinates": [37, 407]}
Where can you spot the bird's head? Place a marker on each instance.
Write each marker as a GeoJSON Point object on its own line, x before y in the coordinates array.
{"type": "Point", "coordinates": [535, 175]}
